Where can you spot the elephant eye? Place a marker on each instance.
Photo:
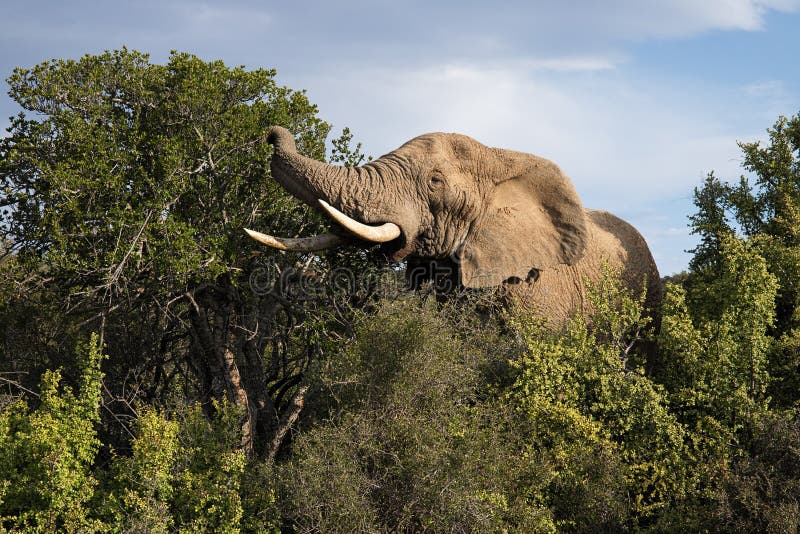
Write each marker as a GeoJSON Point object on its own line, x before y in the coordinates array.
{"type": "Point", "coordinates": [436, 181]}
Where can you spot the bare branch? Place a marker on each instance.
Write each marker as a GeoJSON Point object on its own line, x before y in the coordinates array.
{"type": "Point", "coordinates": [118, 270]}
{"type": "Point", "coordinates": [18, 386]}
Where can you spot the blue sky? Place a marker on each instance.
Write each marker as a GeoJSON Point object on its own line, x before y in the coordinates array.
{"type": "Point", "coordinates": [635, 99]}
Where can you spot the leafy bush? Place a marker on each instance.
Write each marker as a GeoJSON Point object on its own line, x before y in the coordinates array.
{"type": "Point", "coordinates": [185, 473]}
{"type": "Point", "coordinates": [412, 439]}
{"type": "Point", "coordinates": [47, 454]}
{"type": "Point", "coordinates": [617, 451]}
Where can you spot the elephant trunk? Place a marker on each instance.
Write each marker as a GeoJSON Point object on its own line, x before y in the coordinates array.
{"type": "Point", "coordinates": [308, 179]}
{"type": "Point", "coordinates": [354, 190]}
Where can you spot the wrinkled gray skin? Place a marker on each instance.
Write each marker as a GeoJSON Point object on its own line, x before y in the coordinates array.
{"type": "Point", "coordinates": [500, 217]}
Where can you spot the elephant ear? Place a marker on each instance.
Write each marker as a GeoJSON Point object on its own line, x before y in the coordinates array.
{"type": "Point", "coordinates": [534, 220]}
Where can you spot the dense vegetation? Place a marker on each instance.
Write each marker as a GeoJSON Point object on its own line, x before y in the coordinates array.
{"type": "Point", "coordinates": [161, 373]}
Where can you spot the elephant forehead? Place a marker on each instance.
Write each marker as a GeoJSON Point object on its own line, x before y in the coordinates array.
{"type": "Point", "coordinates": [450, 145]}
{"type": "Point", "coordinates": [422, 145]}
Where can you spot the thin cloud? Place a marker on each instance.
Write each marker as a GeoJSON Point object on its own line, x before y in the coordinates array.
{"type": "Point", "coordinates": [572, 64]}
{"type": "Point", "coordinates": [601, 130]}
{"type": "Point", "coordinates": [223, 18]}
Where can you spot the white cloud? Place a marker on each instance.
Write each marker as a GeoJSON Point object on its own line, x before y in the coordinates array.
{"type": "Point", "coordinates": [637, 19]}
{"type": "Point", "coordinates": [774, 97]}
{"type": "Point", "coordinates": [222, 17]}
{"type": "Point", "coordinates": [558, 29]}
{"type": "Point", "coordinates": [576, 35]}
{"type": "Point", "coordinates": [571, 64]}
{"type": "Point", "coordinates": [767, 89]}
{"type": "Point", "coordinates": [602, 130]}
{"type": "Point", "coordinates": [686, 17]}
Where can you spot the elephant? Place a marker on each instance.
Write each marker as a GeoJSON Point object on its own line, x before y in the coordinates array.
{"type": "Point", "coordinates": [494, 217]}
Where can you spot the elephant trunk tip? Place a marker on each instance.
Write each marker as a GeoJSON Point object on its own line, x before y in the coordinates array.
{"type": "Point", "coordinates": [281, 138]}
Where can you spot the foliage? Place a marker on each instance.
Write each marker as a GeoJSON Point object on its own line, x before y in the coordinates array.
{"type": "Point", "coordinates": [252, 391]}
{"type": "Point", "coordinates": [162, 152]}
{"type": "Point", "coordinates": [47, 454]}
{"type": "Point", "coordinates": [711, 223]}
{"type": "Point", "coordinates": [764, 207]}
{"type": "Point", "coordinates": [185, 473]}
{"type": "Point", "coordinates": [145, 480]}
{"type": "Point", "coordinates": [343, 153]}
{"type": "Point", "coordinates": [616, 450]}
{"type": "Point", "coordinates": [761, 492]}
{"type": "Point", "coordinates": [128, 185]}
{"type": "Point", "coordinates": [409, 439]}
{"type": "Point", "coordinates": [719, 368]}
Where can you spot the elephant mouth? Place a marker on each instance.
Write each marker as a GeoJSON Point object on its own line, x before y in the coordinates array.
{"type": "Point", "coordinates": [388, 234]}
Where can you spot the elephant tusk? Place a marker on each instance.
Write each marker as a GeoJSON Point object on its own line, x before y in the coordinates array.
{"type": "Point", "coordinates": [377, 234]}
{"type": "Point", "coordinates": [301, 244]}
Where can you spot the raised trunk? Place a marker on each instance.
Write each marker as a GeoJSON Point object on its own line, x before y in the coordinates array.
{"type": "Point", "coordinates": [371, 195]}
{"type": "Point", "coordinates": [309, 179]}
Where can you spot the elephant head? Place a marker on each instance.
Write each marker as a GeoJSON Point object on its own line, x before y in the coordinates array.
{"type": "Point", "coordinates": [498, 214]}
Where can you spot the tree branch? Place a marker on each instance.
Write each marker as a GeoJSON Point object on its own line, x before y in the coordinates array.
{"type": "Point", "coordinates": [287, 420]}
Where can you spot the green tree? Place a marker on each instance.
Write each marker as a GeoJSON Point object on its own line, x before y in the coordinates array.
{"type": "Point", "coordinates": [344, 153]}
{"type": "Point", "coordinates": [717, 374]}
{"type": "Point", "coordinates": [410, 433]}
{"type": "Point", "coordinates": [710, 223]}
{"type": "Point", "coordinates": [771, 204]}
{"type": "Point", "coordinates": [129, 184]}
{"type": "Point", "coordinates": [186, 473]}
{"type": "Point", "coordinates": [143, 485]}
{"type": "Point", "coordinates": [765, 207]}
{"type": "Point", "coordinates": [719, 367]}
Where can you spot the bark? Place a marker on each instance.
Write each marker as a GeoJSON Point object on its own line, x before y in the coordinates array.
{"type": "Point", "coordinates": [217, 344]}
{"type": "Point", "coordinates": [238, 395]}
{"type": "Point", "coordinates": [289, 417]}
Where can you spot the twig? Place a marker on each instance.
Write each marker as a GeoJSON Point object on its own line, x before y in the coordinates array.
{"type": "Point", "coordinates": [19, 386]}
{"type": "Point", "coordinates": [118, 270]}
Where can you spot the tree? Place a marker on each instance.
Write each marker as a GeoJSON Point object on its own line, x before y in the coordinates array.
{"type": "Point", "coordinates": [765, 207]}
{"type": "Point", "coordinates": [710, 223]}
{"type": "Point", "coordinates": [185, 472]}
{"type": "Point", "coordinates": [617, 451]}
{"type": "Point", "coordinates": [409, 434]}
{"type": "Point", "coordinates": [127, 185]}
{"type": "Point", "coordinates": [717, 374]}
{"type": "Point", "coordinates": [718, 368]}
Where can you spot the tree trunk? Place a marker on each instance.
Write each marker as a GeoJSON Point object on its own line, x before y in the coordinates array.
{"type": "Point", "coordinates": [217, 344]}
